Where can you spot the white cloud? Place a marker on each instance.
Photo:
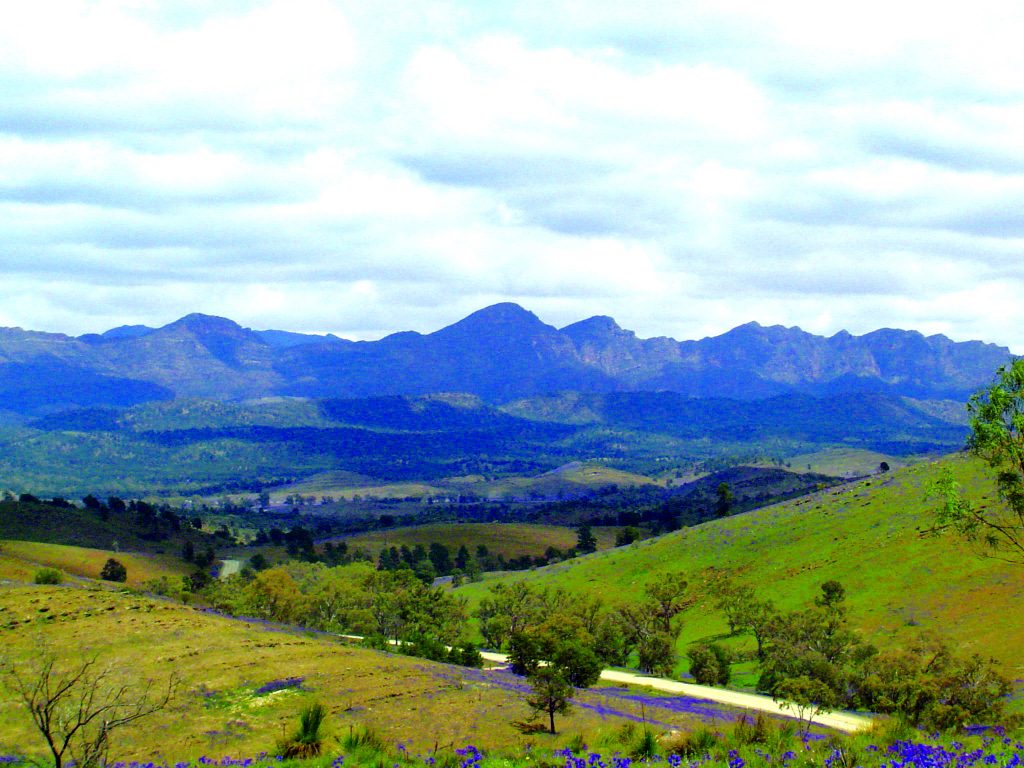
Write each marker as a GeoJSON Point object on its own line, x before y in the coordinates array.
{"type": "Point", "coordinates": [357, 168]}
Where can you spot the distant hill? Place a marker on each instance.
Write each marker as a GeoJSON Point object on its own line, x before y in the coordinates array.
{"type": "Point", "coordinates": [209, 446]}
{"type": "Point", "coordinates": [500, 353]}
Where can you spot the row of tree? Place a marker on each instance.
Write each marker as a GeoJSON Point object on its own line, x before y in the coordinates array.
{"type": "Point", "coordinates": [813, 659]}
{"type": "Point", "coordinates": [809, 658]}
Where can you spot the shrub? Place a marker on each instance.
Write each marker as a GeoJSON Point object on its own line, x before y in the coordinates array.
{"type": "Point", "coordinates": [467, 655]}
{"type": "Point", "coordinates": [114, 571]}
{"type": "Point", "coordinates": [48, 576]}
{"type": "Point", "coordinates": [646, 745]}
{"type": "Point", "coordinates": [693, 744]}
{"type": "Point", "coordinates": [749, 730]}
{"type": "Point", "coordinates": [709, 664]}
{"type": "Point", "coordinates": [363, 739]}
{"type": "Point", "coordinates": [307, 740]}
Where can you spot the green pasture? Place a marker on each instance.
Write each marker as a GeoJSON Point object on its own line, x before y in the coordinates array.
{"type": "Point", "coordinates": [869, 535]}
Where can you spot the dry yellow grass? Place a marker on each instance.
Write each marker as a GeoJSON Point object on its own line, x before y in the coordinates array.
{"type": "Point", "coordinates": [28, 556]}
{"type": "Point", "coordinates": [221, 662]}
{"type": "Point", "coordinates": [508, 539]}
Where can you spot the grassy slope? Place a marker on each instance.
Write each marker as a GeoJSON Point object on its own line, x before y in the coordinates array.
{"type": "Point", "coordinates": [569, 479]}
{"type": "Point", "coordinates": [843, 462]}
{"type": "Point", "coordinates": [25, 557]}
{"type": "Point", "coordinates": [222, 661]}
{"type": "Point", "coordinates": [865, 534]}
{"type": "Point", "coordinates": [508, 539]}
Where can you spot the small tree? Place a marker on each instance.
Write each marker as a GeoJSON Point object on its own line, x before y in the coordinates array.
{"type": "Point", "coordinates": [997, 436]}
{"type": "Point", "coordinates": [550, 694]}
{"type": "Point", "coordinates": [75, 708]}
{"type": "Point", "coordinates": [585, 540]}
{"type": "Point", "coordinates": [113, 570]}
{"type": "Point", "coordinates": [738, 603]}
{"type": "Point", "coordinates": [709, 664]}
{"type": "Point", "coordinates": [811, 658]}
{"type": "Point", "coordinates": [627, 536]}
{"type": "Point", "coordinates": [656, 653]}
{"type": "Point", "coordinates": [578, 664]}
{"type": "Point", "coordinates": [723, 500]}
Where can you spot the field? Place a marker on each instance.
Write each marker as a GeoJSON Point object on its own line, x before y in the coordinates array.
{"type": "Point", "coordinates": [222, 663]}
{"type": "Point", "coordinates": [20, 559]}
{"type": "Point", "coordinates": [567, 479]}
{"type": "Point", "coordinates": [845, 462]}
{"type": "Point", "coordinates": [508, 539]}
{"type": "Point", "coordinates": [869, 535]}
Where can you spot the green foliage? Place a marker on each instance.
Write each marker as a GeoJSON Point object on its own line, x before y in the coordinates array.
{"type": "Point", "coordinates": [723, 499]}
{"type": "Point", "coordinates": [627, 536]}
{"type": "Point", "coordinates": [752, 730]}
{"type": "Point", "coordinates": [646, 746]}
{"type": "Point", "coordinates": [580, 665]}
{"type": "Point", "coordinates": [656, 653]}
{"type": "Point", "coordinates": [467, 655]}
{"type": "Point", "coordinates": [48, 576]}
{"type": "Point", "coordinates": [997, 436]}
{"type": "Point", "coordinates": [811, 657]}
{"type": "Point", "coordinates": [550, 694]}
{"type": "Point", "coordinates": [926, 685]}
{"type": "Point", "coordinates": [351, 599]}
{"type": "Point", "coordinates": [525, 653]}
{"type": "Point", "coordinates": [739, 604]}
{"type": "Point", "coordinates": [362, 739]}
{"type": "Point", "coordinates": [114, 570]}
{"type": "Point", "coordinates": [585, 541]}
{"type": "Point", "coordinates": [710, 663]}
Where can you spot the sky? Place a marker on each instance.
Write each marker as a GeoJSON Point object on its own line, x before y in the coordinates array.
{"type": "Point", "coordinates": [364, 168]}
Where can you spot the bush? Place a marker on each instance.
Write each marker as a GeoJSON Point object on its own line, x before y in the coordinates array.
{"type": "Point", "coordinates": [693, 744]}
{"type": "Point", "coordinates": [114, 571]}
{"type": "Point", "coordinates": [646, 745]}
{"type": "Point", "coordinates": [467, 655]}
{"type": "Point", "coordinates": [709, 664]}
{"type": "Point", "coordinates": [928, 686]}
{"type": "Point", "coordinates": [48, 576]}
{"type": "Point", "coordinates": [749, 730]}
{"type": "Point", "coordinates": [364, 739]}
{"type": "Point", "coordinates": [307, 740]}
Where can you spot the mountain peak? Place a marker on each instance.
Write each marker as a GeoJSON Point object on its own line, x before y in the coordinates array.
{"type": "Point", "coordinates": [504, 318]}
{"type": "Point", "coordinates": [197, 321]}
{"type": "Point", "coordinates": [596, 325]}
{"type": "Point", "coordinates": [504, 312]}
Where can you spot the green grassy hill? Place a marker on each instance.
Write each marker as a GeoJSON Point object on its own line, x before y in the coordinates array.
{"type": "Point", "coordinates": [867, 535]}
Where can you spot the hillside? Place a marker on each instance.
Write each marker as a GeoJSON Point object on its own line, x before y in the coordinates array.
{"type": "Point", "coordinates": [866, 534]}
{"type": "Point", "coordinates": [224, 665]}
{"type": "Point", "coordinates": [437, 441]}
{"type": "Point", "coordinates": [508, 539]}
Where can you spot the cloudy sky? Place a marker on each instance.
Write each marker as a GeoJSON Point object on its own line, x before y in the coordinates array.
{"type": "Point", "coordinates": [361, 168]}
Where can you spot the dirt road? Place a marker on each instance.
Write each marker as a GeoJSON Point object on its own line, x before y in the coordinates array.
{"type": "Point", "coordinates": [841, 721]}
